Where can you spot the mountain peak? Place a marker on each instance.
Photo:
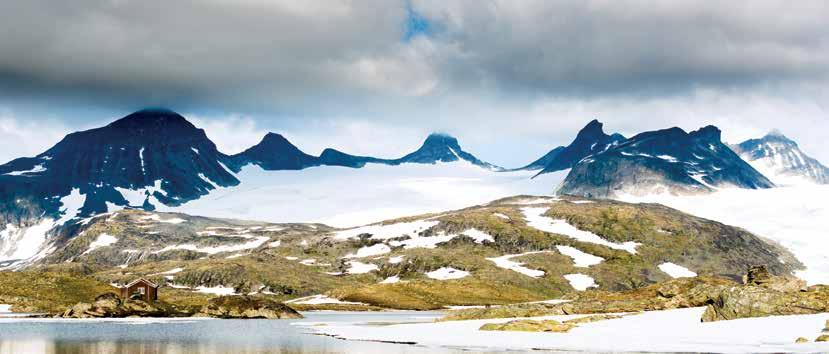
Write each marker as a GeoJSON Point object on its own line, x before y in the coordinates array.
{"type": "Point", "coordinates": [590, 140]}
{"type": "Point", "coordinates": [592, 129]}
{"type": "Point", "coordinates": [152, 118]}
{"type": "Point", "coordinates": [709, 132]}
{"type": "Point", "coordinates": [441, 139]}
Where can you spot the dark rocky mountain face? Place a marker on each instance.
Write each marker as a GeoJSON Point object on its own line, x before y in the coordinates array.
{"type": "Point", "coordinates": [154, 152]}
{"type": "Point", "coordinates": [669, 160]}
{"type": "Point", "coordinates": [277, 153]}
{"type": "Point", "coordinates": [779, 157]}
{"type": "Point", "coordinates": [441, 148]}
{"type": "Point", "coordinates": [590, 140]}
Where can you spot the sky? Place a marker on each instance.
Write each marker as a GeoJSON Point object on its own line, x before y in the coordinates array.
{"type": "Point", "coordinates": [510, 78]}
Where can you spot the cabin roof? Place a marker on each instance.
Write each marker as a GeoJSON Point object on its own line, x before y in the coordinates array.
{"type": "Point", "coordinates": [136, 281]}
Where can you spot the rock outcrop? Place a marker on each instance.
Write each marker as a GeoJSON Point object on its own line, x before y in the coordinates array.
{"type": "Point", "coordinates": [243, 307]}
{"type": "Point", "coordinates": [529, 326]}
{"type": "Point", "coordinates": [110, 305]}
{"type": "Point", "coordinates": [766, 295]}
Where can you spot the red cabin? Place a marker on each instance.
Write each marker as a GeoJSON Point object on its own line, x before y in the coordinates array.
{"type": "Point", "coordinates": [140, 289]}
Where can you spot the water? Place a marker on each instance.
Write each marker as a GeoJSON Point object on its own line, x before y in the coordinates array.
{"type": "Point", "coordinates": [149, 336]}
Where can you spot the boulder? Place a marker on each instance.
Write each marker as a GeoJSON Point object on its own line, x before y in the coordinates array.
{"type": "Point", "coordinates": [530, 326]}
{"type": "Point", "coordinates": [823, 338]}
{"type": "Point", "coordinates": [760, 276]}
{"type": "Point", "coordinates": [761, 301]}
{"type": "Point", "coordinates": [244, 306]}
{"type": "Point", "coordinates": [801, 340]}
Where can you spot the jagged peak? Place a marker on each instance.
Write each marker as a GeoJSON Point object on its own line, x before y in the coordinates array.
{"type": "Point", "coordinates": [709, 132]}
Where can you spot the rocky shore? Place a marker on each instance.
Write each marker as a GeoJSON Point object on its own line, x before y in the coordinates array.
{"type": "Point", "coordinates": [110, 305]}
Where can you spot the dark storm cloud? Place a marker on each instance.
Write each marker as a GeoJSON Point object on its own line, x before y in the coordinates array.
{"type": "Point", "coordinates": [272, 54]}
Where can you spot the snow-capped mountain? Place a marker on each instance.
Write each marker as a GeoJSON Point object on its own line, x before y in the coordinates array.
{"type": "Point", "coordinates": [155, 158]}
{"type": "Point", "coordinates": [780, 159]}
{"type": "Point", "coordinates": [590, 140]}
{"type": "Point", "coordinates": [669, 160]}
{"type": "Point", "coordinates": [151, 154]}
{"type": "Point", "coordinates": [442, 148]}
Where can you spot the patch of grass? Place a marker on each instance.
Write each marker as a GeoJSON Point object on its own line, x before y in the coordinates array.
{"type": "Point", "coordinates": [48, 291]}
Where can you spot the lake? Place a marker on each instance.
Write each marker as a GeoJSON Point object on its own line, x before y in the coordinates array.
{"type": "Point", "coordinates": [148, 336]}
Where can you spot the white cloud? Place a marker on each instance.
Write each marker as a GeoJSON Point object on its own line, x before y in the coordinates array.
{"type": "Point", "coordinates": [23, 138]}
{"type": "Point", "coordinates": [231, 133]}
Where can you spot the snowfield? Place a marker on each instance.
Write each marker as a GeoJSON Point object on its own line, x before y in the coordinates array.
{"type": "Point", "coordinates": [797, 217]}
{"type": "Point", "coordinates": [317, 195]}
{"type": "Point", "coordinates": [103, 240]}
{"type": "Point", "coordinates": [656, 331]}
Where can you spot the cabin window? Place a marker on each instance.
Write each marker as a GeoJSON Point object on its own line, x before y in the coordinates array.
{"type": "Point", "coordinates": [142, 290]}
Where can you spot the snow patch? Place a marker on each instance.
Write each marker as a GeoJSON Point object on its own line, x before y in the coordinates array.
{"type": "Point", "coordinates": [369, 251]}
{"type": "Point", "coordinates": [536, 219]}
{"type": "Point", "coordinates": [360, 268]}
{"type": "Point", "coordinates": [36, 169]}
{"type": "Point", "coordinates": [580, 282]}
{"type": "Point", "coordinates": [103, 240]}
{"type": "Point", "coordinates": [384, 232]}
{"type": "Point", "coordinates": [391, 280]}
{"type": "Point", "coordinates": [255, 243]}
{"type": "Point", "coordinates": [506, 262]}
{"type": "Point", "coordinates": [447, 273]}
{"type": "Point", "coordinates": [580, 259]}
{"type": "Point", "coordinates": [676, 271]}
{"type": "Point", "coordinates": [320, 300]}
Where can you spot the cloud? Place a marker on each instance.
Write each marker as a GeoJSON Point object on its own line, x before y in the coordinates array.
{"type": "Point", "coordinates": [511, 79]}
{"type": "Point", "coordinates": [232, 134]}
{"type": "Point", "coordinates": [19, 137]}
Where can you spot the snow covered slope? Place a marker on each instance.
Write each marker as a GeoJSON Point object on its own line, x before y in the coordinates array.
{"type": "Point", "coordinates": [341, 196]}
{"type": "Point", "coordinates": [780, 159]}
{"type": "Point", "coordinates": [797, 217]}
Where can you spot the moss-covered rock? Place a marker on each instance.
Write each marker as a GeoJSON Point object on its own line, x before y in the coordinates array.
{"type": "Point", "coordinates": [245, 307]}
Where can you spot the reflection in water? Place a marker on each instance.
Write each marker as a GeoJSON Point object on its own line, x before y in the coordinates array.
{"type": "Point", "coordinates": [147, 336]}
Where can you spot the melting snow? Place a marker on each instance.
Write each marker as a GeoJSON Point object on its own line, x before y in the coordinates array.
{"type": "Point", "coordinates": [502, 216]}
{"type": "Point", "coordinates": [157, 218]}
{"type": "Point", "coordinates": [5, 308]}
{"type": "Point", "coordinates": [396, 259]}
{"type": "Point", "coordinates": [391, 280]}
{"type": "Point", "coordinates": [320, 300]}
{"type": "Point", "coordinates": [360, 268]}
{"type": "Point", "coordinates": [676, 271]}
{"type": "Point", "coordinates": [580, 259]}
{"type": "Point", "coordinates": [422, 242]}
{"type": "Point", "coordinates": [72, 205]}
{"type": "Point", "coordinates": [447, 273]}
{"type": "Point", "coordinates": [275, 244]}
{"type": "Point", "coordinates": [535, 218]}
{"type": "Point", "coordinates": [383, 232]}
{"type": "Point", "coordinates": [218, 290]}
{"type": "Point", "coordinates": [506, 262]}
{"type": "Point", "coordinates": [580, 282]}
{"type": "Point", "coordinates": [255, 243]}
{"type": "Point", "coordinates": [103, 240]}
{"type": "Point", "coordinates": [478, 235]}
{"type": "Point", "coordinates": [369, 251]}
{"type": "Point", "coordinates": [36, 169]}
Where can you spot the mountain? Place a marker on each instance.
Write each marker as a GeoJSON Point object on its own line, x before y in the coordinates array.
{"type": "Point", "coordinates": [512, 250]}
{"type": "Point", "coordinates": [150, 154]}
{"type": "Point", "coordinates": [590, 140]}
{"type": "Point", "coordinates": [275, 152]}
{"type": "Point", "coordinates": [669, 160]}
{"type": "Point", "coordinates": [442, 148]}
{"type": "Point", "coordinates": [779, 158]}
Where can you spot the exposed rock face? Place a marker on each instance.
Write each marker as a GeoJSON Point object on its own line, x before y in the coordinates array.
{"type": "Point", "coordinates": [669, 160]}
{"type": "Point", "coordinates": [766, 295]}
{"type": "Point", "coordinates": [760, 276]}
{"type": "Point", "coordinates": [109, 305]}
{"type": "Point", "coordinates": [247, 307]}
